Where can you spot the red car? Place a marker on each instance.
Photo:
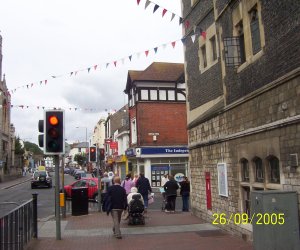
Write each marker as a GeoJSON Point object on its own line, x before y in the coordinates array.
{"type": "Point", "coordinates": [90, 183]}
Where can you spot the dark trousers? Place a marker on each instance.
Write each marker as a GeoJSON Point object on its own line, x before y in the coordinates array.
{"type": "Point", "coordinates": [171, 202]}
{"type": "Point", "coordinates": [185, 203]}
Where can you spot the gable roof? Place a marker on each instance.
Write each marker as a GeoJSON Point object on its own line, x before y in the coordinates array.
{"type": "Point", "coordinates": [157, 71]}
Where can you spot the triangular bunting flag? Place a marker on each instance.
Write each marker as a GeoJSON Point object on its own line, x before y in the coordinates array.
{"type": "Point", "coordinates": [203, 33]}
{"type": "Point", "coordinates": [193, 37]}
{"type": "Point", "coordinates": [173, 15]}
{"type": "Point", "coordinates": [71, 73]}
{"type": "Point", "coordinates": [115, 63]}
{"type": "Point", "coordinates": [89, 70]}
{"type": "Point", "coordinates": [180, 20]}
{"type": "Point", "coordinates": [187, 24]}
{"type": "Point", "coordinates": [31, 84]}
{"type": "Point", "coordinates": [138, 2]}
{"type": "Point", "coordinates": [164, 12]}
{"type": "Point", "coordinates": [183, 40]}
{"type": "Point", "coordinates": [27, 86]}
{"type": "Point", "coordinates": [173, 44]}
{"type": "Point", "coordinates": [76, 73]}
{"type": "Point", "coordinates": [46, 82]}
{"type": "Point", "coordinates": [107, 65]}
{"type": "Point", "coordinates": [147, 4]}
{"type": "Point", "coordinates": [155, 50]}
{"type": "Point", "coordinates": [130, 58]}
{"type": "Point", "coordinates": [41, 82]}
{"type": "Point", "coordinates": [155, 8]}
{"type": "Point", "coordinates": [95, 67]}
{"type": "Point", "coordinates": [146, 52]}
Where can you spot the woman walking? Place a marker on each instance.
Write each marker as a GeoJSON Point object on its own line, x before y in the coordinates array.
{"type": "Point", "coordinates": [185, 193]}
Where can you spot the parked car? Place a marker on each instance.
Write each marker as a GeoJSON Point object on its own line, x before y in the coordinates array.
{"type": "Point", "coordinates": [90, 183]}
{"type": "Point", "coordinates": [80, 174]}
{"type": "Point", "coordinates": [41, 178]}
{"type": "Point", "coordinates": [66, 170]}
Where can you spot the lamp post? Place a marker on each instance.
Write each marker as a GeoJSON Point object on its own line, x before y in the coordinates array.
{"type": "Point", "coordinates": [86, 141]}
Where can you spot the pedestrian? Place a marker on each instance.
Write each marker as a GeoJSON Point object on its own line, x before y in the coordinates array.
{"type": "Point", "coordinates": [105, 183]}
{"type": "Point", "coordinates": [185, 193]}
{"type": "Point", "coordinates": [144, 188]}
{"type": "Point", "coordinates": [127, 183]}
{"type": "Point", "coordinates": [136, 176]}
{"type": "Point", "coordinates": [116, 202]}
{"type": "Point", "coordinates": [170, 188]}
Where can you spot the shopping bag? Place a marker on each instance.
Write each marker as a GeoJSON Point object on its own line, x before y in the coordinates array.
{"type": "Point", "coordinates": [150, 198]}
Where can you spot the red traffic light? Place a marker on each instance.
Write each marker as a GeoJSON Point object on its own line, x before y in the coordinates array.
{"type": "Point", "coordinates": [53, 120]}
{"type": "Point", "coordinates": [92, 150]}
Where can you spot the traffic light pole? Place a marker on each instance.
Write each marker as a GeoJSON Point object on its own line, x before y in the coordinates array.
{"type": "Point", "coordinates": [57, 208]}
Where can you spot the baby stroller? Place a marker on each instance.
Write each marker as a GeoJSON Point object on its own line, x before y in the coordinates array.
{"type": "Point", "coordinates": [136, 210]}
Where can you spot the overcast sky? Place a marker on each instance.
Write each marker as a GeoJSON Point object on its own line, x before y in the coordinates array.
{"type": "Point", "coordinates": [56, 37]}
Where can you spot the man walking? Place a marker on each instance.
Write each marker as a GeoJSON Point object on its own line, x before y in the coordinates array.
{"type": "Point", "coordinates": [144, 188]}
{"type": "Point", "coordinates": [116, 196]}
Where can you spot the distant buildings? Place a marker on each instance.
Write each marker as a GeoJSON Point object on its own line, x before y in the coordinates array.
{"type": "Point", "coordinates": [243, 102]}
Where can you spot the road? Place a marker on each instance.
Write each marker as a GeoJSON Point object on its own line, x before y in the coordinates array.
{"type": "Point", "coordinates": [14, 196]}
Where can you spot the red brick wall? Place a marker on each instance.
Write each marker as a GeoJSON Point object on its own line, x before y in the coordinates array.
{"type": "Point", "coordinates": [167, 119]}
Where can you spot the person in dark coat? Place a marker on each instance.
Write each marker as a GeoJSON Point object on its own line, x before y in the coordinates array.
{"type": "Point", "coordinates": [116, 202]}
{"type": "Point", "coordinates": [185, 193]}
{"type": "Point", "coordinates": [144, 188]}
{"type": "Point", "coordinates": [170, 188]}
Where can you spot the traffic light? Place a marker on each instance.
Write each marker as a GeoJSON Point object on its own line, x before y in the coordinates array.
{"type": "Point", "coordinates": [102, 154]}
{"type": "Point", "coordinates": [93, 154]}
{"type": "Point", "coordinates": [54, 136]}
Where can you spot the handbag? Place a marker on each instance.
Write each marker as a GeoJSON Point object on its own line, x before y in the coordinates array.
{"type": "Point", "coordinates": [150, 198]}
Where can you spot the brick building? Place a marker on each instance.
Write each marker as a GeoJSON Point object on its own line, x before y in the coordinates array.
{"type": "Point", "coordinates": [157, 121]}
{"type": "Point", "coordinates": [243, 102]}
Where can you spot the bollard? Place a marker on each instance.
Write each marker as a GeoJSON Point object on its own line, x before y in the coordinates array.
{"type": "Point", "coordinates": [34, 216]}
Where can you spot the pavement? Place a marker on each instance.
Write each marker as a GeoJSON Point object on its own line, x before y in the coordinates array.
{"type": "Point", "coordinates": [179, 230]}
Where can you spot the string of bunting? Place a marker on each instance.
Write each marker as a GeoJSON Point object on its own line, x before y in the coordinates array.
{"type": "Point", "coordinates": [59, 108]}
{"type": "Point", "coordinates": [197, 31]}
{"type": "Point", "coordinates": [164, 11]}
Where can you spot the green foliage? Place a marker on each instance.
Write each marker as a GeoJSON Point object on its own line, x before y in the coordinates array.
{"type": "Point", "coordinates": [80, 158]}
{"type": "Point", "coordinates": [32, 147]}
{"type": "Point", "coordinates": [19, 150]}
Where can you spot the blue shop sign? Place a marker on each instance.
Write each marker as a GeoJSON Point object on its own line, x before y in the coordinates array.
{"type": "Point", "coordinates": [130, 152]}
{"type": "Point", "coordinates": [165, 150]}
{"type": "Point", "coordinates": [160, 168]}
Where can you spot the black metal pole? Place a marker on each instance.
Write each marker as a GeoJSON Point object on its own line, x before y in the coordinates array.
{"type": "Point", "coordinates": [34, 209]}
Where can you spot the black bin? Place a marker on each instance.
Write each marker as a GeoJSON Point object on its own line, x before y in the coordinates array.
{"type": "Point", "coordinates": [80, 201]}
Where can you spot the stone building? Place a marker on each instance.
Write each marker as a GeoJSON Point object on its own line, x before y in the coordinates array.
{"type": "Point", "coordinates": [157, 121]}
{"type": "Point", "coordinates": [7, 137]}
{"type": "Point", "coordinates": [243, 102]}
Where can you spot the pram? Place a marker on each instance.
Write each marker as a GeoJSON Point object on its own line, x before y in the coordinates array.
{"type": "Point", "coordinates": [136, 211]}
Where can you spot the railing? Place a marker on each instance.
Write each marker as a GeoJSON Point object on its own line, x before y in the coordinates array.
{"type": "Point", "coordinates": [19, 226]}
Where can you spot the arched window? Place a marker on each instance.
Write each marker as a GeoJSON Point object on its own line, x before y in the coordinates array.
{"type": "Point", "coordinates": [245, 170]}
{"type": "Point", "coordinates": [259, 170]}
{"type": "Point", "coordinates": [274, 171]}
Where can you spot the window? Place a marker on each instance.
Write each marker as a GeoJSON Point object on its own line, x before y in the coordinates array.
{"type": "Point", "coordinates": [203, 56]}
{"type": "Point", "coordinates": [259, 171]}
{"type": "Point", "coordinates": [246, 201]}
{"type": "Point", "coordinates": [214, 48]}
{"type": "Point", "coordinates": [153, 94]}
{"type": "Point", "coordinates": [255, 32]}
{"type": "Point", "coordinates": [171, 95]}
{"type": "Point", "coordinates": [245, 170]}
{"type": "Point", "coordinates": [240, 32]}
{"type": "Point", "coordinates": [274, 169]}
{"type": "Point", "coordinates": [144, 94]}
{"type": "Point", "coordinates": [162, 95]}
{"type": "Point", "coordinates": [180, 96]}
{"type": "Point", "coordinates": [133, 131]}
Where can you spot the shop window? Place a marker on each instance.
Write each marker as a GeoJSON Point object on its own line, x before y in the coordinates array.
{"type": "Point", "coordinates": [259, 171]}
{"type": "Point", "coordinates": [245, 170]}
{"type": "Point", "coordinates": [274, 171]}
{"type": "Point", "coordinates": [255, 32]}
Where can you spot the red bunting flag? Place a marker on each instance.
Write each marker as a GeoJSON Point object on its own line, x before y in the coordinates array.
{"type": "Point", "coordinates": [138, 2]}
{"type": "Point", "coordinates": [95, 67]}
{"type": "Point", "coordinates": [173, 44]}
{"type": "Point", "coordinates": [203, 33]}
{"type": "Point", "coordinates": [115, 63]}
{"type": "Point", "coordinates": [46, 82]}
{"type": "Point", "coordinates": [187, 24]}
{"type": "Point", "coordinates": [164, 12]}
{"type": "Point", "coordinates": [146, 52]}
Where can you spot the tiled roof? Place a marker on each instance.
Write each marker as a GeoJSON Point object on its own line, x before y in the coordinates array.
{"type": "Point", "coordinates": [157, 71]}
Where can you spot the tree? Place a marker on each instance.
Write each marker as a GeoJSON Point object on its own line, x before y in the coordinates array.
{"type": "Point", "coordinates": [19, 150]}
{"type": "Point", "coordinates": [32, 147]}
{"type": "Point", "coordinates": [80, 158]}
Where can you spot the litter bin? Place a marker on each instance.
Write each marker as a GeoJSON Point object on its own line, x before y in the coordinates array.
{"type": "Point", "coordinates": [80, 201]}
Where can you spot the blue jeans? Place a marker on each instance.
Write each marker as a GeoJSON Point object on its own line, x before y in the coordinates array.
{"type": "Point", "coordinates": [145, 197]}
{"type": "Point", "coordinates": [185, 203]}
